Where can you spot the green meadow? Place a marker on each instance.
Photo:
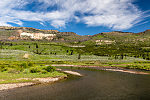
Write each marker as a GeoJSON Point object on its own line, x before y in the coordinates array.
{"type": "Point", "coordinates": [30, 58]}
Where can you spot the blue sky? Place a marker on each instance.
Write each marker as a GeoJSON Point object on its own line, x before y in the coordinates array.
{"type": "Point", "coordinates": [84, 17]}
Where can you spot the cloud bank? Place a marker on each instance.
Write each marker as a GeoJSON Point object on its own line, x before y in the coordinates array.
{"type": "Point", "coordinates": [114, 14]}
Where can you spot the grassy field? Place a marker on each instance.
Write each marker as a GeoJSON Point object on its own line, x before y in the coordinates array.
{"type": "Point", "coordinates": [19, 61]}
{"type": "Point", "coordinates": [17, 56]}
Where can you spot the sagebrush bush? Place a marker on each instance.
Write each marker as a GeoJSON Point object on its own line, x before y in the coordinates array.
{"type": "Point", "coordinates": [3, 68]}
{"type": "Point", "coordinates": [26, 71]}
{"type": "Point", "coordinates": [35, 70]}
{"type": "Point", "coordinates": [12, 70]}
{"type": "Point", "coordinates": [30, 64]}
{"type": "Point", "coordinates": [24, 65]}
{"type": "Point", "coordinates": [145, 67]}
{"type": "Point", "coordinates": [49, 68]}
{"type": "Point", "coordinates": [42, 69]}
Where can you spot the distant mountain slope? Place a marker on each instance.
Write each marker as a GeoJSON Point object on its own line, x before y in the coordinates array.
{"type": "Point", "coordinates": [71, 37]}
{"type": "Point", "coordinates": [30, 29]}
{"type": "Point", "coordinates": [119, 37]}
{"type": "Point", "coordinates": [10, 32]}
{"type": "Point", "coordinates": [145, 33]}
{"type": "Point", "coordinates": [7, 32]}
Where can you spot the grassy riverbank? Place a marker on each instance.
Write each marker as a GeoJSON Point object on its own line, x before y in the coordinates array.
{"type": "Point", "coordinates": [21, 77]}
{"type": "Point", "coordinates": [25, 71]}
{"type": "Point", "coordinates": [15, 72]}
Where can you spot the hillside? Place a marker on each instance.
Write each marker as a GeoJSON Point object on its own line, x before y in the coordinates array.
{"type": "Point", "coordinates": [50, 44]}
{"type": "Point", "coordinates": [116, 37]}
{"type": "Point", "coordinates": [13, 33]}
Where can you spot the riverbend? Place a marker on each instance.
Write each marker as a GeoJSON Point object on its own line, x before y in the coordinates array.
{"type": "Point", "coordinates": [94, 85]}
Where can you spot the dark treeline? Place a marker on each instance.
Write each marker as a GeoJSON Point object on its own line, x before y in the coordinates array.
{"type": "Point", "coordinates": [118, 51]}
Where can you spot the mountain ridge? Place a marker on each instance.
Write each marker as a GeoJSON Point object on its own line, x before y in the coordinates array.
{"type": "Point", "coordinates": [31, 28]}
{"type": "Point", "coordinates": [11, 33]}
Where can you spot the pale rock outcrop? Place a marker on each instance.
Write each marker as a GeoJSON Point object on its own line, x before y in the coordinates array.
{"type": "Point", "coordinates": [37, 36]}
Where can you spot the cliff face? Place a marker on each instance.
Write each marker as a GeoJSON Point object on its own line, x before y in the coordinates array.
{"type": "Point", "coordinates": [36, 36]}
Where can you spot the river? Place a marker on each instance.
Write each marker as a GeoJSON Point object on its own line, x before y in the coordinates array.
{"type": "Point", "coordinates": [94, 85]}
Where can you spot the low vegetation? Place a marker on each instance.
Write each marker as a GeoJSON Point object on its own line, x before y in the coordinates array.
{"type": "Point", "coordinates": [31, 58]}
{"type": "Point", "coordinates": [24, 72]}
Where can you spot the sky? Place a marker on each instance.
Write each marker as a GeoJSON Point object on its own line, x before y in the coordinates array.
{"type": "Point", "coordinates": [84, 17]}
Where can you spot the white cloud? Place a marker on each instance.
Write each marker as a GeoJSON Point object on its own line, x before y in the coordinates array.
{"type": "Point", "coordinates": [58, 23]}
{"type": "Point", "coordinates": [115, 14]}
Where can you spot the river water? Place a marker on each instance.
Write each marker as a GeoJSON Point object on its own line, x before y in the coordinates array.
{"type": "Point", "coordinates": [94, 85]}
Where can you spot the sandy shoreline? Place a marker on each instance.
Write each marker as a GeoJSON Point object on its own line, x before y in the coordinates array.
{"type": "Point", "coordinates": [36, 81]}
{"type": "Point", "coordinates": [69, 72]}
{"type": "Point", "coordinates": [14, 85]}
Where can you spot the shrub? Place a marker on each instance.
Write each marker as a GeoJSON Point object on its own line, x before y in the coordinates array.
{"type": "Point", "coordinates": [11, 66]}
{"type": "Point", "coordinates": [12, 70]}
{"type": "Point", "coordinates": [43, 71]}
{"type": "Point", "coordinates": [30, 64]}
{"type": "Point", "coordinates": [138, 67]}
{"type": "Point", "coordinates": [24, 65]}
{"type": "Point", "coordinates": [3, 68]}
{"type": "Point", "coordinates": [26, 71]}
{"type": "Point", "coordinates": [35, 70]}
{"type": "Point", "coordinates": [49, 68]}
